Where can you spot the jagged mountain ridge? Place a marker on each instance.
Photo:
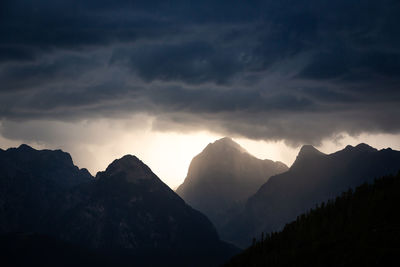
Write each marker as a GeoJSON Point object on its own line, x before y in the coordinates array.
{"type": "Point", "coordinates": [222, 177]}
{"type": "Point", "coordinates": [313, 177]}
{"type": "Point", "coordinates": [32, 185]}
{"type": "Point", "coordinates": [54, 165]}
{"type": "Point", "coordinates": [128, 192]}
{"type": "Point", "coordinates": [126, 213]}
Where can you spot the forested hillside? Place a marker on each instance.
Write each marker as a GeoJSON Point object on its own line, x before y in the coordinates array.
{"type": "Point", "coordinates": [313, 178]}
{"type": "Point", "coordinates": [360, 228]}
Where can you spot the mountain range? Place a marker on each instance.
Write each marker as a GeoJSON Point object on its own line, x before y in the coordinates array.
{"type": "Point", "coordinates": [314, 177]}
{"type": "Point", "coordinates": [125, 213]}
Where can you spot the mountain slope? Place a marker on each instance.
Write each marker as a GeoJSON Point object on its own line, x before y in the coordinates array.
{"type": "Point", "coordinates": [32, 185]}
{"type": "Point", "coordinates": [356, 229]}
{"type": "Point", "coordinates": [127, 214]}
{"type": "Point", "coordinates": [314, 177]}
{"type": "Point", "coordinates": [222, 177]}
{"type": "Point", "coordinates": [130, 208]}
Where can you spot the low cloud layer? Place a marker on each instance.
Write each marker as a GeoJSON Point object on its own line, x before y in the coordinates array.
{"type": "Point", "coordinates": [298, 71]}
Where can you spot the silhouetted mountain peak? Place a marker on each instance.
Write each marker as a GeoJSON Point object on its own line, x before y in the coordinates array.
{"type": "Point", "coordinates": [25, 147]}
{"type": "Point", "coordinates": [306, 154]}
{"type": "Point", "coordinates": [361, 147]}
{"type": "Point", "coordinates": [309, 150]}
{"type": "Point", "coordinates": [225, 144]}
{"type": "Point", "coordinates": [312, 179]}
{"type": "Point", "coordinates": [222, 177]}
{"type": "Point", "coordinates": [27, 153]}
{"type": "Point", "coordinates": [129, 168]}
{"type": "Point", "coordinates": [226, 140]}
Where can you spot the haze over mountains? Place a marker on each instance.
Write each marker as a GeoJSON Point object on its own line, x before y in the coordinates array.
{"type": "Point", "coordinates": [127, 214]}
{"type": "Point", "coordinates": [314, 177]}
{"type": "Point", "coordinates": [222, 177]}
{"type": "Point", "coordinates": [126, 210]}
{"type": "Point", "coordinates": [161, 80]}
{"type": "Point", "coordinates": [358, 228]}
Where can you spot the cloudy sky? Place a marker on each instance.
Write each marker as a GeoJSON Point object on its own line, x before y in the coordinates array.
{"type": "Point", "coordinates": [162, 79]}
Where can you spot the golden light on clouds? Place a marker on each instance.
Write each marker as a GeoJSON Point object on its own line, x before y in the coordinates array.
{"type": "Point", "coordinates": [95, 144]}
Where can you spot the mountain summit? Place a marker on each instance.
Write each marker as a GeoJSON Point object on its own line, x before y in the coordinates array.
{"type": "Point", "coordinates": [361, 148]}
{"type": "Point", "coordinates": [130, 208]}
{"type": "Point", "coordinates": [314, 177]}
{"type": "Point", "coordinates": [129, 168]}
{"type": "Point", "coordinates": [226, 144]}
{"type": "Point", "coordinates": [307, 153]}
{"type": "Point", "coordinates": [308, 150]}
{"type": "Point", "coordinates": [222, 177]}
{"type": "Point", "coordinates": [32, 185]}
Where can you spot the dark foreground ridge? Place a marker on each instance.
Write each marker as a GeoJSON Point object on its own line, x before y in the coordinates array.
{"type": "Point", "coordinates": [360, 228]}
{"type": "Point", "coordinates": [126, 214]}
{"type": "Point", "coordinates": [29, 249]}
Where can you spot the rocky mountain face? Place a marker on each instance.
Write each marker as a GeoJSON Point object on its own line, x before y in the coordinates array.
{"type": "Point", "coordinates": [129, 208]}
{"type": "Point", "coordinates": [314, 177]}
{"type": "Point", "coordinates": [222, 177]}
{"type": "Point", "coordinates": [126, 213]}
{"type": "Point", "coordinates": [32, 185]}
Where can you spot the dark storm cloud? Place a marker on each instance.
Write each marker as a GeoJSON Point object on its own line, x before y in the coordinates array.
{"type": "Point", "coordinates": [351, 65]}
{"type": "Point", "coordinates": [216, 100]}
{"type": "Point", "coordinates": [194, 62]}
{"type": "Point", "coordinates": [15, 53]}
{"type": "Point", "coordinates": [34, 74]}
{"type": "Point", "coordinates": [295, 70]}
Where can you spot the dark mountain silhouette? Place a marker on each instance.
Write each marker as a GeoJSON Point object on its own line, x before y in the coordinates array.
{"type": "Point", "coordinates": [127, 214]}
{"type": "Point", "coordinates": [32, 185]}
{"type": "Point", "coordinates": [222, 177]}
{"type": "Point", "coordinates": [130, 209]}
{"type": "Point", "coordinates": [314, 177]}
{"type": "Point", "coordinates": [360, 228]}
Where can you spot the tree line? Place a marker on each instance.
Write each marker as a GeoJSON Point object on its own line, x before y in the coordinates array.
{"type": "Point", "coordinates": [359, 227]}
